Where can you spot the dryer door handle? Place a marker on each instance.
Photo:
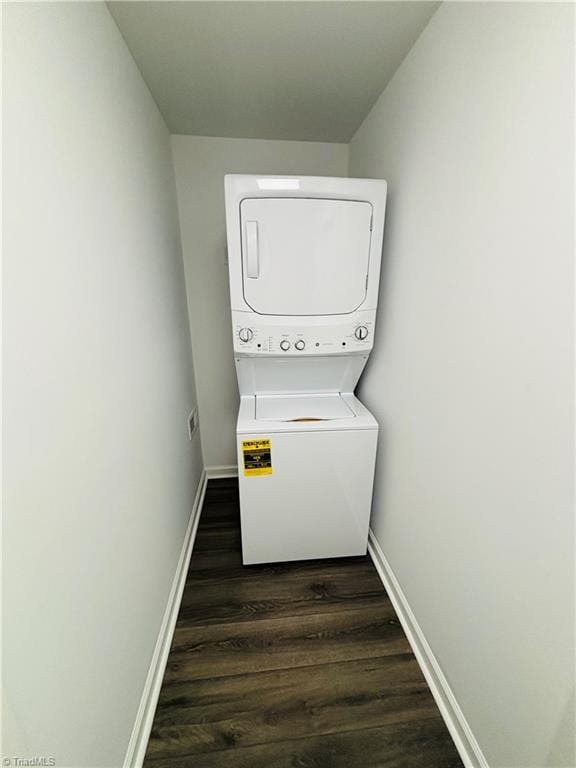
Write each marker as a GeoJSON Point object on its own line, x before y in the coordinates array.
{"type": "Point", "coordinates": [252, 255]}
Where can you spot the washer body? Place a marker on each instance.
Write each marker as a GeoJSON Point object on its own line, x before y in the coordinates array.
{"type": "Point", "coordinates": [315, 500]}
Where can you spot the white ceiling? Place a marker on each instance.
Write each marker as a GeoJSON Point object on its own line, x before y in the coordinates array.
{"type": "Point", "coordinates": [274, 70]}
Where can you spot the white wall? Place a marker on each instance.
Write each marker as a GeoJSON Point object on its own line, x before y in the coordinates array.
{"type": "Point", "coordinates": [99, 473]}
{"type": "Point", "coordinates": [201, 164]}
{"type": "Point", "coordinates": [472, 374]}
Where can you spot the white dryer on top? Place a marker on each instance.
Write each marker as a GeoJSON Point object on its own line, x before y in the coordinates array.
{"type": "Point", "coordinates": [304, 257]}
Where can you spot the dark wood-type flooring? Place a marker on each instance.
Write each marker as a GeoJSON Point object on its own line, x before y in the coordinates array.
{"type": "Point", "coordinates": [293, 665]}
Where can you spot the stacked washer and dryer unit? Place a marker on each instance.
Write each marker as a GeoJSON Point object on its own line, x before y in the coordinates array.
{"type": "Point", "coordinates": [304, 258]}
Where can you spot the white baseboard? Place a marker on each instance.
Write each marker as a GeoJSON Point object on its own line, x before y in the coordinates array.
{"type": "Point", "coordinates": [461, 733]}
{"type": "Point", "coordinates": [213, 473]}
{"type": "Point", "coordinates": [145, 716]}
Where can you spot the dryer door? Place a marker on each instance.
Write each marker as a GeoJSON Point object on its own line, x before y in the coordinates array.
{"type": "Point", "coordinates": [305, 256]}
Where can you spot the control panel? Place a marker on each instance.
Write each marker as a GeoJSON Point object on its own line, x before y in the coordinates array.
{"type": "Point", "coordinates": [256, 338]}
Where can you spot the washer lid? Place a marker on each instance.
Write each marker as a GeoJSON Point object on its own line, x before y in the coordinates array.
{"type": "Point", "coordinates": [306, 256]}
{"type": "Point", "coordinates": [302, 408]}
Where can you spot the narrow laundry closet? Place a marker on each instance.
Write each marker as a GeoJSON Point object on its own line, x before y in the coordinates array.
{"type": "Point", "coordinates": [288, 391]}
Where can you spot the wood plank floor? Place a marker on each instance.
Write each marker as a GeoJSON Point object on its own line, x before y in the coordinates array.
{"type": "Point", "coordinates": [298, 665]}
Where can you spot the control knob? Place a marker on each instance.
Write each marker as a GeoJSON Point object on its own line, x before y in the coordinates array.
{"type": "Point", "coordinates": [361, 332]}
{"type": "Point", "coordinates": [284, 345]}
{"type": "Point", "coordinates": [300, 344]}
{"type": "Point", "coordinates": [245, 334]}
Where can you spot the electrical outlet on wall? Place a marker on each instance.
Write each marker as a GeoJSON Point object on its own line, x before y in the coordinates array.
{"type": "Point", "coordinates": [192, 424]}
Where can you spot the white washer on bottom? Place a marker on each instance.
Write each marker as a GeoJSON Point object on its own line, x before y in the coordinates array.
{"type": "Point", "coordinates": [307, 493]}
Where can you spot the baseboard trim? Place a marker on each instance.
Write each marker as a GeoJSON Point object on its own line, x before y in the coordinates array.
{"type": "Point", "coordinates": [461, 733]}
{"type": "Point", "coordinates": [143, 724]}
{"type": "Point", "coordinates": [213, 473]}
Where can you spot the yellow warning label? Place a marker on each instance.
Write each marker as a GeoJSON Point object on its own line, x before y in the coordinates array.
{"type": "Point", "coordinates": [257, 455]}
